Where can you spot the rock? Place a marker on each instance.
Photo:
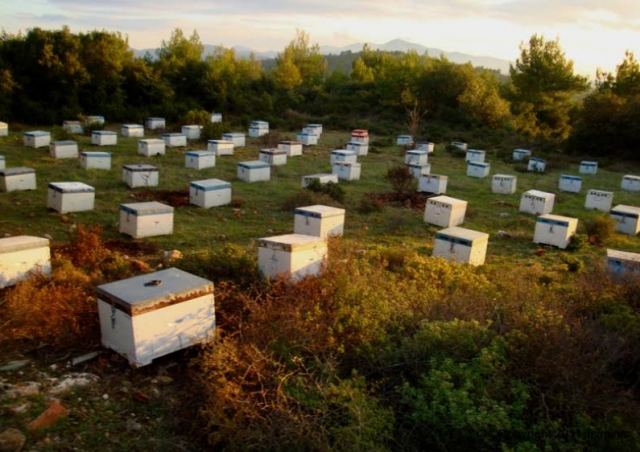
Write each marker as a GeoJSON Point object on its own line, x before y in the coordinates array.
{"type": "Point", "coordinates": [54, 412]}
{"type": "Point", "coordinates": [19, 408]}
{"type": "Point", "coordinates": [83, 358]}
{"type": "Point", "coordinates": [14, 365]}
{"type": "Point", "coordinates": [27, 389]}
{"type": "Point", "coordinates": [173, 255]}
{"type": "Point", "coordinates": [504, 234]}
{"type": "Point", "coordinates": [12, 440]}
{"type": "Point", "coordinates": [73, 380]}
{"type": "Point", "coordinates": [105, 396]}
{"type": "Point", "coordinates": [133, 426]}
{"type": "Point", "coordinates": [165, 379]}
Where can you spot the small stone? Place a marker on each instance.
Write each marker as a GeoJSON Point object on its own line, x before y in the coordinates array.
{"type": "Point", "coordinates": [27, 389]}
{"type": "Point", "coordinates": [54, 412]}
{"type": "Point", "coordinates": [14, 365]}
{"type": "Point", "coordinates": [105, 396]}
{"type": "Point", "coordinates": [504, 234]}
{"type": "Point", "coordinates": [83, 358]}
{"type": "Point", "coordinates": [12, 440]}
{"type": "Point", "coordinates": [73, 380]}
{"type": "Point", "coordinates": [173, 255]}
{"type": "Point", "coordinates": [20, 408]}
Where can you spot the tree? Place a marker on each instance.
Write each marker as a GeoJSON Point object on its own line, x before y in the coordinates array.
{"type": "Point", "coordinates": [300, 64]}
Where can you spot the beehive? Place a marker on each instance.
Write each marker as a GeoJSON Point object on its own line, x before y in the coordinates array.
{"type": "Point", "coordinates": [536, 165]}
{"type": "Point", "coordinates": [416, 157]}
{"type": "Point", "coordinates": [461, 245]}
{"type": "Point", "coordinates": [555, 230]}
{"type": "Point", "coordinates": [572, 184]}
{"type": "Point", "coordinates": [36, 139]}
{"type": "Point", "coordinates": [216, 117]}
{"type": "Point", "coordinates": [433, 183]}
{"type": "Point", "coordinates": [346, 170]}
{"type": "Point", "coordinates": [588, 167]}
{"type": "Point", "coordinates": [220, 147]}
{"type": "Point", "coordinates": [537, 202]}
{"type": "Point", "coordinates": [258, 129]}
{"type": "Point", "coordinates": [308, 139]}
{"type": "Point", "coordinates": [358, 148]}
{"type": "Point", "coordinates": [152, 315]}
{"type": "Point", "coordinates": [74, 127]}
{"type": "Point", "coordinates": [404, 140]}
{"type": "Point", "coordinates": [626, 218]}
{"type": "Point", "coordinates": [319, 221]}
{"type": "Point", "coordinates": [191, 131]}
{"type": "Point", "coordinates": [65, 197]}
{"type": "Point", "coordinates": [360, 136]}
{"type": "Point", "coordinates": [504, 184]}
{"type": "Point", "coordinates": [22, 256]}
{"type": "Point", "coordinates": [291, 256]}
{"type": "Point", "coordinates": [17, 179]}
{"type": "Point", "coordinates": [314, 128]}
{"type": "Point", "coordinates": [343, 156]}
{"type": "Point", "coordinates": [3, 162]}
{"type": "Point", "coordinates": [66, 149]}
{"type": "Point", "coordinates": [140, 175]}
{"type": "Point", "coordinates": [151, 147]}
{"type": "Point", "coordinates": [104, 138]}
{"type": "Point", "coordinates": [417, 171]}
{"type": "Point", "coordinates": [426, 146]}
{"type": "Point", "coordinates": [623, 262]}
{"type": "Point", "coordinates": [444, 211]}
{"type": "Point", "coordinates": [155, 123]}
{"type": "Point", "coordinates": [460, 145]}
{"type": "Point", "coordinates": [4, 129]}
{"type": "Point", "coordinates": [199, 159]}
{"type": "Point", "coordinates": [630, 183]}
{"type": "Point", "coordinates": [174, 140]}
{"type": "Point", "coordinates": [254, 171]}
{"type": "Point", "coordinates": [521, 154]}
{"type": "Point", "coordinates": [94, 119]}
{"type": "Point", "coordinates": [292, 148]}
{"type": "Point", "coordinates": [132, 130]}
{"type": "Point", "coordinates": [478, 169]}
{"type": "Point", "coordinates": [237, 138]}
{"type": "Point", "coordinates": [95, 160]}
{"type": "Point", "coordinates": [209, 193]}
{"type": "Point", "coordinates": [146, 219]}
{"type": "Point", "coordinates": [599, 200]}
{"type": "Point", "coordinates": [273, 157]}
{"type": "Point", "coordinates": [322, 178]}
{"type": "Point", "coordinates": [475, 155]}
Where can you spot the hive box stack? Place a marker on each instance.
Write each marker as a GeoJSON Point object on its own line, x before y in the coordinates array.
{"type": "Point", "coordinates": [322, 178]}
{"type": "Point", "coordinates": [521, 154]}
{"type": "Point", "coordinates": [313, 128]}
{"type": "Point", "coordinates": [504, 184]}
{"type": "Point", "coordinates": [292, 148]}
{"type": "Point", "coordinates": [319, 221]}
{"type": "Point", "coordinates": [94, 119]}
{"type": "Point", "coordinates": [347, 170]}
{"type": "Point", "coordinates": [307, 138]}
{"type": "Point", "coordinates": [404, 140]}
{"type": "Point", "coordinates": [254, 171]}
{"type": "Point", "coordinates": [622, 262]}
{"type": "Point", "coordinates": [209, 193]}
{"type": "Point", "coordinates": [433, 183]}
{"type": "Point", "coordinates": [292, 256]}
{"type": "Point", "coordinates": [444, 211]}
{"type": "Point", "coordinates": [599, 200]}
{"type": "Point", "coordinates": [74, 127]}
{"type": "Point", "coordinates": [537, 202]}
{"type": "Point", "coordinates": [221, 147]}
{"type": "Point", "coordinates": [237, 138]}
{"type": "Point", "coordinates": [65, 197]}
{"type": "Point", "coordinates": [199, 159]}
{"type": "Point", "coordinates": [360, 136]}
{"type": "Point", "coordinates": [66, 149]}
{"type": "Point", "coordinates": [343, 156]}
{"type": "Point", "coordinates": [416, 157]}
{"type": "Point", "coordinates": [273, 157]}
{"type": "Point", "coordinates": [140, 175]}
{"type": "Point", "coordinates": [461, 245]}
{"type": "Point", "coordinates": [626, 218]}
{"type": "Point", "coordinates": [95, 160]}
{"type": "Point", "coordinates": [146, 219]}
{"type": "Point", "coordinates": [36, 139]}
{"type": "Point", "coordinates": [588, 167]}
{"type": "Point", "coordinates": [460, 145]}
{"type": "Point", "coordinates": [555, 230]}
{"type": "Point", "coordinates": [104, 138]}
{"type": "Point", "coordinates": [475, 155]}
{"type": "Point", "coordinates": [4, 129]}
{"type": "Point", "coordinates": [630, 183]}
{"type": "Point", "coordinates": [174, 140]}
{"type": "Point", "coordinates": [151, 147]}
{"type": "Point", "coordinates": [152, 315]}
{"type": "Point", "coordinates": [21, 256]}
{"type": "Point", "coordinates": [17, 179]}
{"type": "Point", "coordinates": [3, 162]}
{"type": "Point", "coordinates": [426, 146]}
{"type": "Point", "coordinates": [417, 171]}
{"type": "Point", "coordinates": [478, 169]}
{"type": "Point", "coordinates": [358, 148]}
{"type": "Point", "coordinates": [132, 130]}
{"type": "Point", "coordinates": [572, 184]}
{"type": "Point", "coordinates": [536, 165]}
{"type": "Point", "coordinates": [192, 131]}
{"type": "Point", "coordinates": [216, 118]}
{"type": "Point", "coordinates": [258, 129]}
{"type": "Point", "coordinates": [155, 123]}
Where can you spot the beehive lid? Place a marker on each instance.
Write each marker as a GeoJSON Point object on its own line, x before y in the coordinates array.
{"type": "Point", "coordinates": [154, 291]}
{"type": "Point", "coordinates": [98, 117]}
{"type": "Point", "coordinates": [140, 167]}
{"type": "Point", "coordinates": [155, 118]}
{"type": "Point", "coordinates": [316, 126]}
{"type": "Point", "coordinates": [447, 200]}
{"type": "Point", "coordinates": [272, 151]}
{"type": "Point", "coordinates": [623, 256]}
{"type": "Point", "coordinates": [436, 176]}
{"type": "Point", "coordinates": [174, 135]}
{"type": "Point", "coordinates": [1, 157]}
{"type": "Point", "coordinates": [320, 176]}
{"type": "Point", "coordinates": [65, 143]}
{"type": "Point", "coordinates": [146, 208]}
{"type": "Point", "coordinates": [569, 177]}
{"type": "Point", "coordinates": [290, 242]}
{"type": "Point", "coordinates": [344, 152]}
{"type": "Point", "coordinates": [628, 211]}
{"type": "Point", "coordinates": [71, 187]}
{"type": "Point", "coordinates": [71, 123]}
{"type": "Point", "coordinates": [103, 132]}
{"type": "Point", "coordinates": [95, 154]}
{"type": "Point", "coordinates": [522, 151]}
{"type": "Point", "coordinates": [319, 211]}
{"type": "Point", "coordinates": [631, 177]}
{"type": "Point", "coordinates": [254, 164]}
{"type": "Point", "coordinates": [199, 153]}
{"type": "Point", "coordinates": [593, 191]}
{"type": "Point", "coordinates": [358, 165]}
{"type": "Point", "coordinates": [539, 194]}
{"type": "Point", "coordinates": [356, 143]}
{"type": "Point", "coordinates": [480, 164]}
{"type": "Point", "coordinates": [3, 125]}
{"type": "Point", "coordinates": [462, 234]}
{"type": "Point", "coordinates": [555, 219]}
{"type": "Point", "coordinates": [417, 152]}
{"type": "Point", "coordinates": [132, 126]}
{"type": "Point", "coordinates": [537, 159]}
{"type": "Point", "coordinates": [405, 136]}
{"type": "Point", "coordinates": [360, 133]}
{"type": "Point", "coordinates": [192, 126]}
{"type": "Point", "coordinates": [290, 143]}
{"type": "Point", "coordinates": [503, 176]}
{"type": "Point", "coordinates": [259, 123]}
{"type": "Point", "coordinates": [22, 242]}
{"type": "Point", "coordinates": [304, 133]}
{"type": "Point", "coordinates": [458, 143]}
{"type": "Point", "coordinates": [588, 163]}
{"type": "Point", "coordinates": [37, 133]}
{"type": "Point", "coordinates": [152, 141]}
{"type": "Point", "coordinates": [210, 184]}
{"type": "Point", "coordinates": [425, 143]}
{"type": "Point", "coordinates": [475, 151]}
{"type": "Point", "coordinates": [225, 142]}
{"type": "Point", "coordinates": [16, 171]}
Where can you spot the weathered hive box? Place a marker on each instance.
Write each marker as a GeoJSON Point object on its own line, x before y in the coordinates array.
{"type": "Point", "coordinates": [433, 183]}
{"type": "Point", "coordinates": [216, 118]}
{"type": "Point", "coordinates": [418, 171]}
{"type": "Point", "coordinates": [314, 128]}
{"type": "Point", "coordinates": [94, 119]}
{"type": "Point", "coordinates": [221, 147]}
{"type": "Point", "coordinates": [358, 148]}
{"type": "Point", "coordinates": [36, 139]}
{"type": "Point", "coordinates": [254, 171]}
{"type": "Point", "coordinates": [95, 160]}
{"type": "Point", "coordinates": [426, 146]}
{"type": "Point", "coordinates": [4, 129]}
{"type": "Point", "coordinates": [555, 230]}
{"type": "Point", "coordinates": [536, 165]}
{"type": "Point", "coordinates": [74, 127]}
{"type": "Point", "coordinates": [152, 315]}
{"type": "Point", "coordinates": [292, 255]}
{"type": "Point", "coordinates": [308, 139]}
{"type": "Point", "coordinates": [192, 131]}
{"type": "Point", "coordinates": [404, 140]}
{"type": "Point", "coordinates": [209, 193]}
{"type": "Point", "coordinates": [146, 219]}
{"type": "Point", "coordinates": [346, 170]}
{"type": "Point", "coordinates": [104, 138]}
{"type": "Point", "coordinates": [537, 202]}
{"type": "Point", "coordinates": [151, 147]}
{"type": "Point", "coordinates": [569, 183]}
{"type": "Point", "coordinates": [258, 129]}
{"type": "Point", "coordinates": [292, 148]}
{"type": "Point", "coordinates": [504, 184]}
{"type": "Point", "coordinates": [140, 175]}
{"type": "Point", "coordinates": [588, 167]}
{"type": "Point", "coordinates": [416, 157]}
{"type": "Point", "coordinates": [444, 211]}
{"type": "Point", "coordinates": [3, 162]}
{"type": "Point", "coordinates": [460, 145]}
{"type": "Point", "coordinates": [475, 155]}
{"type": "Point", "coordinates": [17, 179]}
{"type": "Point", "coordinates": [343, 156]}
{"type": "Point", "coordinates": [630, 183]}
{"type": "Point", "coordinates": [199, 159]}
{"type": "Point", "coordinates": [621, 262]}
{"type": "Point", "coordinates": [155, 123]}
{"type": "Point", "coordinates": [322, 178]}
{"type": "Point", "coordinates": [319, 221]}
{"type": "Point", "coordinates": [461, 245]}
{"type": "Point", "coordinates": [237, 138]}
{"type": "Point", "coordinates": [132, 130]}
{"type": "Point", "coordinates": [521, 154]}
{"type": "Point", "coordinates": [21, 256]}
{"type": "Point", "coordinates": [273, 156]}
{"type": "Point", "coordinates": [66, 149]}
{"type": "Point", "coordinates": [626, 218]}
{"type": "Point", "coordinates": [65, 197]}
{"type": "Point", "coordinates": [360, 136]}
{"type": "Point", "coordinates": [478, 169]}
{"type": "Point", "coordinates": [599, 200]}
{"type": "Point", "coordinates": [174, 140]}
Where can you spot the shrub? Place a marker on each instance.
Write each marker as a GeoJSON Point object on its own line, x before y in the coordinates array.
{"type": "Point", "coordinates": [576, 242]}
{"type": "Point", "coordinates": [199, 117]}
{"type": "Point", "coordinates": [212, 131]}
{"type": "Point", "coordinates": [600, 229]}
{"type": "Point", "coordinates": [60, 134]}
{"type": "Point", "coordinates": [230, 263]}
{"type": "Point", "coordinates": [331, 189]}
{"type": "Point", "coordinates": [402, 182]}
{"type": "Point", "coordinates": [93, 126]}
{"type": "Point", "coordinates": [305, 198]}
{"type": "Point", "coordinates": [370, 204]}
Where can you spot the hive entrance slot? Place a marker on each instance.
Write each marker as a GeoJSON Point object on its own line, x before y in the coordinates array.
{"type": "Point", "coordinates": [153, 283]}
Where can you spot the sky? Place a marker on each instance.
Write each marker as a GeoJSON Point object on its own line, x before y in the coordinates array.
{"type": "Point", "coordinates": [594, 33]}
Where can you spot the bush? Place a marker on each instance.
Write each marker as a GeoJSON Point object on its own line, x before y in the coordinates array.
{"type": "Point", "coordinates": [331, 189]}
{"type": "Point", "coordinates": [600, 229]}
{"type": "Point", "coordinates": [402, 182]}
{"type": "Point", "coordinates": [231, 263]}
{"type": "Point", "coordinates": [93, 126]}
{"type": "Point", "coordinates": [576, 242]}
{"type": "Point", "coordinates": [60, 134]}
{"type": "Point", "coordinates": [199, 117]}
{"type": "Point", "coordinates": [370, 204]}
{"type": "Point", "coordinates": [303, 198]}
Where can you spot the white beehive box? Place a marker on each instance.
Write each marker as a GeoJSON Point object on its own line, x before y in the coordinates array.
{"type": "Point", "coordinates": [475, 155]}
{"type": "Point", "coordinates": [95, 160]}
{"type": "Point", "coordinates": [94, 119]}
{"type": "Point", "coordinates": [192, 131]}
{"type": "Point", "coordinates": [152, 315]}
{"type": "Point", "coordinates": [292, 148]}
{"type": "Point", "coordinates": [146, 219]}
{"type": "Point", "coordinates": [221, 147]}
{"type": "Point", "coordinates": [237, 138]}
{"type": "Point", "coordinates": [404, 140]}
{"type": "Point", "coordinates": [588, 167]}
{"type": "Point", "coordinates": [216, 118]}
{"type": "Point", "coordinates": [461, 245]}
{"type": "Point", "coordinates": [536, 165]}
{"type": "Point", "coordinates": [417, 171]}
{"type": "Point", "coordinates": [65, 197]}
{"type": "Point", "coordinates": [104, 138]}
{"type": "Point", "coordinates": [554, 230]}
{"type": "Point", "coordinates": [292, 256]}
{"type": "Point", "coordinates": [537, 202]}
{"type": "Point", "coordinates": [460, 145]}
{"type": "Point", "coordinates": [599, 200]}
{"type": "Point", "coordinates": [346, 170]}
{"type": "Point", "coordinates": [478, 169]}
{"type": "Point", "coordinates": [416, 157]}
{"type": "Point", "coordinates": [360, 136]}
{"type": "Point", "coordinates": [504, 184]}
{"type": "Point", "coordinates": [3, 162]}
{"type": "Point", "coordinates": [433, 183]}
{"type": "Point", "coordinates": [209, 193]}
{"type": "Point", "coordinates": [4, 129]}
{"type": "Point", "coordinates": [155, 123]}
{"type": "Point", "coordinates": [17, 179]}
{"type": "Point", "coordinates": [319, 221]}
{"type": "Point", "coordinates": [273, 156]}
{"type": "Point", "coordinates": [307, 138]}
{"type": "Point", "coordinates": [521, 154]}
{"type": "Point", "coordinates": [444, 211]}
{"type": "Point", "coordinates": [572, 184]}
{"type": "Point", "coordinates": [132, 130]}
{"type": "Point", "coordinates": [358, 148]}
{"type": "Point", "coordinates": [66, 149]}
{"type": "Point", "coordinates": [151, 147]}
{"type": "Point", "coordinates": [322, 178]}
{"type": "Point", "coordinates": [426, 146]}
{"type": "Point", "coordinates": [314, 128]}
{"type": "Point", "coordinates": [199, 159]}
{"type": "Point", "coordinates": [140, 175]}
{"type": "Point", "coordinates": [74, 127]}
{"type": "Point", "coordinates": [630, 183]}
{"type": "Point", "coordinates": [254, 171]}
{"type": "Point", "coordinates": [621, 262]}
{"type": "Point", "coordinates": [36, 139]}
{"type": "Point", "coordinates": [626, 218]}
{"type": "Point", "coordinates": [174, 140]}
{"type": "Point", "coordinates": [343, 156]}
{"type": "Point", "coordinates": [258, 129]}
{"type": "Point", "coordinates": [21, 256]}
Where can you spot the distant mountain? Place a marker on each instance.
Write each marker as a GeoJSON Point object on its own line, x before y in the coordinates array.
{"type": "Point", "coordinates": [242, 52]}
